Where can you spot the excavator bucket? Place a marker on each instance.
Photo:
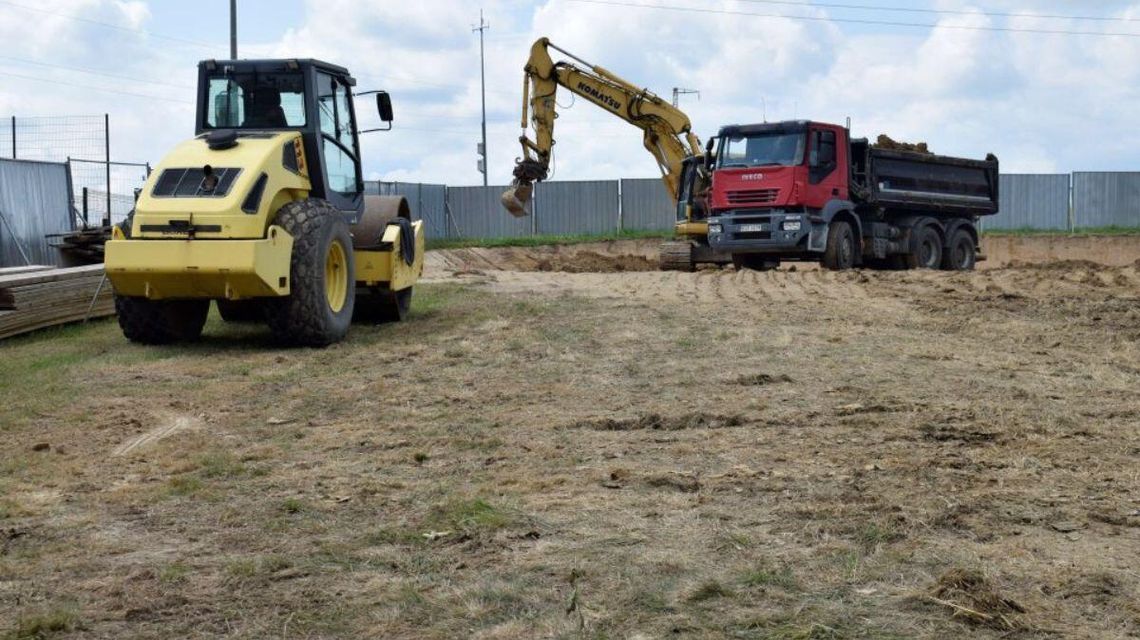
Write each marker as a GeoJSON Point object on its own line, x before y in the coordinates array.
{"type": "Point", "coordinates": [517, 197]}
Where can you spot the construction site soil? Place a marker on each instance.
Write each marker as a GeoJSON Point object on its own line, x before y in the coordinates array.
{"type": "Point", "coordinates": [563, 442]}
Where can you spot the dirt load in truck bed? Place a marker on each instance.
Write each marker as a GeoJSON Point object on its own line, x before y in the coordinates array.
{"type": "Point", "coordinates": [538, 454]}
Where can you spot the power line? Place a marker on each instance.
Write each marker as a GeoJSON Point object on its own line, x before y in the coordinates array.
{"type": "Point", "coordinates": [107, 25]}
{"type": "Point", "coordinates": [91, 88]}
{"type": "Point", "coordinates": [957, 12]}
{"type": "Point", "coordinates": [96, 73]}
{"type": "Point", "coordinates": [888, 23]}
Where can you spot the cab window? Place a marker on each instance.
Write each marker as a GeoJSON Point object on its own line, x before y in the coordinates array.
{"type": "Point", "coordinates": [255, 101]}
{"type": "Point", "coordinates": [338, 145]}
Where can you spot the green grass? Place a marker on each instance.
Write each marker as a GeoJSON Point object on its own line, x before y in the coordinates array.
{"type": "Point", "coordinates": [471, 517]}
{"type": "Point", "coordinates": [45, 625]}
{"type": "Point", "coordinates": [1078, 232]}
{"type": "Point", "coordinates": [540, 240]}
{"type": "Point", "coordinates": [765, 576]}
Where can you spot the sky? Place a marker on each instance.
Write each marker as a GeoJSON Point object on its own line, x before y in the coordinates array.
{"type": "Point", "coordinates": [1046, 85]}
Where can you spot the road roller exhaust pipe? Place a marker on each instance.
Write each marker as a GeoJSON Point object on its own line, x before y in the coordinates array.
{"type": "Point", "coordinates": [517, 197]}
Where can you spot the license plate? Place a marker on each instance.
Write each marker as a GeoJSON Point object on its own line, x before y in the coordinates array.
{"type": "Point", "coordinates": [753, 228]}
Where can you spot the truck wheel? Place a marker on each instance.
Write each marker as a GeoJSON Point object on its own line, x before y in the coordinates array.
{"type": "Point", "coordinates": [927, 251]}
{"type": "Point", "coordinates": [755, 263]}
{"type": "Point", "coordinates": [963, 253]}
{"type": "Point", "coordinates": [161, 321]}
{"type": "Point", "coordinates": [241, 310]}
{"type": "Point", "coordinates": [318, 310]}
{"type": "Point", "coordinates": [676, 256]}
{"type": "Point", "coordinates": [377, 307]}
{"type": "Point", "coordinates": [840, 252]}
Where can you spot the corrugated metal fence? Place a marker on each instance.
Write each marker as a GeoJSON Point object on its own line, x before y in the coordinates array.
{"type": "Point", "coordinates": [35, 198]}
{"type": "Point", "coordinates": [1106, 199]}
{"type": "Point", "coordinates": [35, 201]}
{"type": "Point", "coordinates": [1027, 201]}
{"type": "Point", "coordinates": [1031, 202]}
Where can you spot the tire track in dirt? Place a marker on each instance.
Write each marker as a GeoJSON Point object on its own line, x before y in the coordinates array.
{"type": "Point", "coordinates": [168, 428]}
{"type": "Point", "coordinates": [882, 293]}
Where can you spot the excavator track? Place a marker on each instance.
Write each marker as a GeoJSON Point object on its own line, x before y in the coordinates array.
{"type": "Point", "coordinates": [677, 256]}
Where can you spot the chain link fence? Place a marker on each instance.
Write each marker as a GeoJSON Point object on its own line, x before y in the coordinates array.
{"type": "Point", "coordinates": [103, 191]}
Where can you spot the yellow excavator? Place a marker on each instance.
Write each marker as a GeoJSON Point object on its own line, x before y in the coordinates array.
{"type": "Point", "coordinates": [668, 136]}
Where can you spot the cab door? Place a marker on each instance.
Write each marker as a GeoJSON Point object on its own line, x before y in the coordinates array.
{"type": "Point", "coordinates": [338, 145]}
{"type": "Point", "coordinates": [827, 166]}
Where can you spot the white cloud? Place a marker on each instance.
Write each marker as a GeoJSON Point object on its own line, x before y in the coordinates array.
{"type": "Point", "coordinates": [1041, 102]}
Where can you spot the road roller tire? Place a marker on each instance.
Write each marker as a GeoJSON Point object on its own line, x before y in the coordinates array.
{"type": "Point", "coordinates": [380, 306]}
{"type": "Point", "coordinates": [241, 311]}
{"type": "Point", "coordinates": [318, 310]}
{"type": "Point", "coordinates": [161, 321]}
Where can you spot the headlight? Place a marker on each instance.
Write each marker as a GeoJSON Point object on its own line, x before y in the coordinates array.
{"type": "Point", "coordinates": [791, 225]}
{"type": "Point", "coordinates": [715, 228]}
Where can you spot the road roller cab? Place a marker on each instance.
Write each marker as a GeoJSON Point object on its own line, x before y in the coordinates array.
{"type": "Point", "coordinates": [264, 211]}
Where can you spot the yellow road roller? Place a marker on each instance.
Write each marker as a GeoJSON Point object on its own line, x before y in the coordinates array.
{"type": "Point", "coordinates": [264, 212]}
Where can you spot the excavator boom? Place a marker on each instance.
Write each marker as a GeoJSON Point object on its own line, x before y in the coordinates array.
{"type": "Point", "coordinates": [667, 132]}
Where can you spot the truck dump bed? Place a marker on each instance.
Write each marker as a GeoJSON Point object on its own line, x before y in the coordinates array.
{"type": "Point", "coordinates": [927, 182]}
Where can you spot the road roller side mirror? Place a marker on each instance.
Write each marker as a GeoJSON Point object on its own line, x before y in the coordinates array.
{"type": "Point", "coordinates": [384, 105]}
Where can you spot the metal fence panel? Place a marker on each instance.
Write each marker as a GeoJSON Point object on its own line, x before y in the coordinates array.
{"type": "Point", "coordinates": [1106, 199]}
{"type": "Point", "coordinates": [476, 212]}
{"type": "Point", "coordinates": [428, 202]}
{"type": "Point", "coordinates": [35, 200]}
{"type": "Point", "coordinates": [588, 207]}
{"type": "Point", "coordinates": [646, 206]}
{"type": "Point", "coordinates": [1037, 201]}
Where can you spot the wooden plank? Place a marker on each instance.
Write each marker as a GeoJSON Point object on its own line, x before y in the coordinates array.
{"type": "Point", "coordinates": [39, 299]}
{"type": "Point", "coordinates": [13, 271]}
{"type": "Point", "coordinates": [54, 275]}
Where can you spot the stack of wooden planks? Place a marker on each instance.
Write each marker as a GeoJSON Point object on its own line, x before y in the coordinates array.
{"type": "Point", "coordinates": [36, 297]}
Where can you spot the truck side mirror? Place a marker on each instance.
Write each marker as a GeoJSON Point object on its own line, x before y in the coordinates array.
{"type": "Point", "coordinates": [384, 105]}
{"type": "Point", "coordinates": [709, 153]}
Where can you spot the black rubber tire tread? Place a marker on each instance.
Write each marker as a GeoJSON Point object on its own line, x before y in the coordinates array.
{"type": "Point", "coordinates": [926, 235]}
{"type": "Point", "coordinates": [962, 254]}
{"type": "Point", "coordinates": [676, 256]}
{"type": "Point", "coordinates": [839, 233]}
{"type": "Point", "coordinates": [161, 321]}
{"type": "Point", "coordinates": [304, 318]}
{"type": "Point", "coordinates": [380, 305]}
{"type": "Point", "coordinates": [755, 263]}
{"type": "Point", "coordinates": [242, 310]}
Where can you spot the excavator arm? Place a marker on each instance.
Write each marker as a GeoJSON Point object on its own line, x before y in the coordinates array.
{"type": "Point", "coordinates": [667, 131]}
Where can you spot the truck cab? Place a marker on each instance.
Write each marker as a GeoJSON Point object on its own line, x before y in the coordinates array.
{"type": "Point", "coordinates": [804, 190]}
{"type": "Point", "coordinates": [769, 182]}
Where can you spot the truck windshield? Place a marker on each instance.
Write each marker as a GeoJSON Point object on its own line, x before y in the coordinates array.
{"type": "Point", "coordinates": [763, 149]}
{"type": "Point", "coordinates": [255, 101]}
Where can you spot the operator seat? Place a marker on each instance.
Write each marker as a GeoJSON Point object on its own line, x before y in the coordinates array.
{"type": "Point", "coordinates": [265, 109]}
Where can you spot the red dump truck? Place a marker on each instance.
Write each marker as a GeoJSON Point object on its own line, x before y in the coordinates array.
{"type": "Point", "coordinates": [807, 191]}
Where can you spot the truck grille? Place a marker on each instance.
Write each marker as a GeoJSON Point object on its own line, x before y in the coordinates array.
{"type": "Point", "coordinates": [753, 196]}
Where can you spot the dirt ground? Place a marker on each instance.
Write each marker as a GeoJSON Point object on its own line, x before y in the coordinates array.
{"type": "Point", "coordinates": [610, 453]}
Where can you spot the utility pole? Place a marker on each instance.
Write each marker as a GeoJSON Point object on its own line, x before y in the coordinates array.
{"type": "Point", "coordinates": [678, 92]}
{"type": "Point", "coordinates": [483, 26]}
{"type": "Point", "coordinates": [233, 29]}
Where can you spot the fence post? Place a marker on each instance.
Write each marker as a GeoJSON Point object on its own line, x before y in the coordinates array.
{"type": "Point", "coordinates": [621, 208]}
{"type": "Point", "coordinates": [107, 155]}
{"type": "Point", "coordinates": [534, 211]}
{"type": "Point", "coordinates": [13, 137]}
{"type": "Point", "coordinates": [86, 220]}
{"type": "Point", "coordinates": [1072, 204]}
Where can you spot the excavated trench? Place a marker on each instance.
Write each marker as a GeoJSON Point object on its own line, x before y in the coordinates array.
{"type": "Point", "coordinates": [619, 256]}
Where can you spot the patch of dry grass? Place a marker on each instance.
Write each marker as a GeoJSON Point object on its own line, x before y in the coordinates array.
{"type": "Point", "coordinates": [557, 462]}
